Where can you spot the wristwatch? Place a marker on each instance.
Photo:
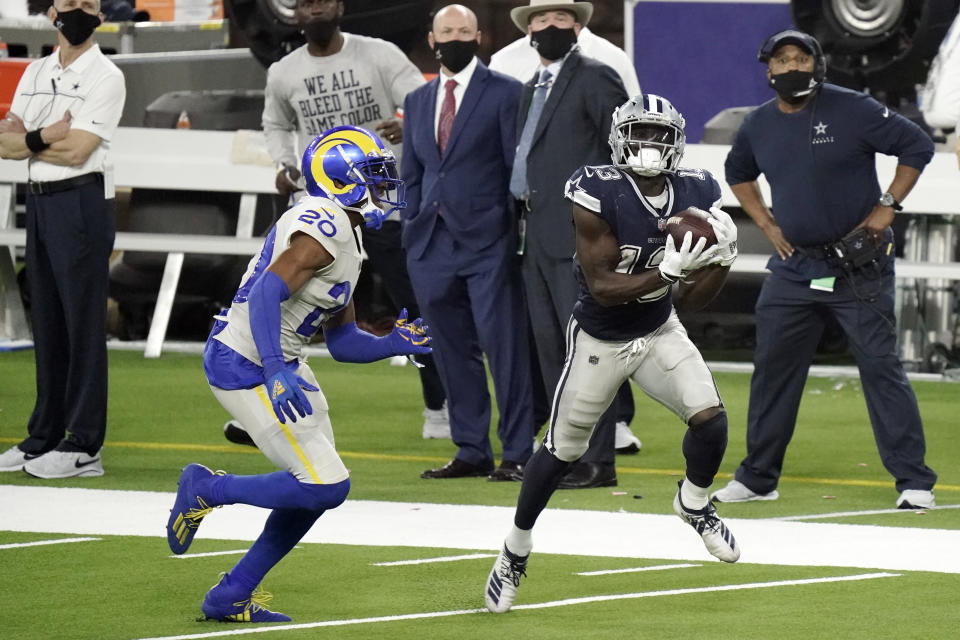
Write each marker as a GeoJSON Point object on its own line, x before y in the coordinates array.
{"type": "Point", "coordinates": [887, 200]}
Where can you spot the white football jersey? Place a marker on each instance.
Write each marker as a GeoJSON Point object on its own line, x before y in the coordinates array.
{"type": "Point", "coordinates": [326, 293]}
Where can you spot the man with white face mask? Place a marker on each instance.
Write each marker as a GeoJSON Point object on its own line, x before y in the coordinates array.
{"type": "Point", "coordinates": [624, 326]}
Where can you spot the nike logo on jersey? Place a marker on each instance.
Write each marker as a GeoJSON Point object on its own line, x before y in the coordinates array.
{"type": "Point", "coordinates": [81, 465]}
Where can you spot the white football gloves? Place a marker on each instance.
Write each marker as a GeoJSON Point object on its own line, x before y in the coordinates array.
{"type": "Point", "coordinates": [677, 263]}
{"type": "Point", "coordinates": [726, 232]}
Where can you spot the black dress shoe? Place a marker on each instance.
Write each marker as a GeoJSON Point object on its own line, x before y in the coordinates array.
{"type": "Point", "coordinates": [236, 434]}
{"type": "Point", "coordinates": [457, 468]}
{"type": "Point", "coordinates": [508, 471]}
{"type": "Point", "coordinates": [588, 475]}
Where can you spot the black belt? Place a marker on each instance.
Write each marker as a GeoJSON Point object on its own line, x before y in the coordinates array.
{"type": "Point", "coordinates": [56, 186]}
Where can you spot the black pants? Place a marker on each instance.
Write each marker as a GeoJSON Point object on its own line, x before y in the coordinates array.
{"type": "Point", "coordinates": [69, 240]}
{"type": "Point", "coordinates": [387, 257]}
{"type": "Point", "coordinates": [790, 319]}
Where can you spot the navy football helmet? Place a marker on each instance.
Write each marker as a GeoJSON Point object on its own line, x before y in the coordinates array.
{"type": "Point", "coordinates": [346, 164]}
{"type": "Point", "coordinates": [647, 136]}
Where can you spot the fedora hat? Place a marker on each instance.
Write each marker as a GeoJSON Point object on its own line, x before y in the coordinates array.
{"type": "Point", "coordinates": [521, 15]}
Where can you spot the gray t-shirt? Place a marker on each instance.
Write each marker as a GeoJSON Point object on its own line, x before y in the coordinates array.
{"type": "Point", "coordinates": [362, 85]}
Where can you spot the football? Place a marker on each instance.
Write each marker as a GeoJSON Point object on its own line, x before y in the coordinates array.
{"type": "Point", "coordinates": [694, 220]}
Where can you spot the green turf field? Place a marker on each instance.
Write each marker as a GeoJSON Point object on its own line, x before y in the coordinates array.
{"type": "Point", "coordinates": [163, 416]}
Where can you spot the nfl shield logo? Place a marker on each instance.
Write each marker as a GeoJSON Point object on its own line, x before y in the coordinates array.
{"type": "Point", "coordinates": [661, 224]}
{"type": "Point", "coordinates": [594, 359]}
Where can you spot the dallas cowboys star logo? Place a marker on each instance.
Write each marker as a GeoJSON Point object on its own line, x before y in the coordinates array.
{"type": "Point", "coordinates": [820, 128]}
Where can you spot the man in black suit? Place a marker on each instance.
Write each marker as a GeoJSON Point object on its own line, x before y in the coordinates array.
{"type": "Point", "coordinates": [564, 123]}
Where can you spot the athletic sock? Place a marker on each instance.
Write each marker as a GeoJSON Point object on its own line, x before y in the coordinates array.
{"type": "Point", "coordinates": [519, 541]}
{"type": "Point", "coordinates": [692, 496]}
{"type": "Point", "coordinates": [282, 531]}
{"type": "Point", "coordinates": [540, 479]}
{"type": "Point", "coordinates": [703, 447]}
{"type": "Point", "coordinates": [277, 490]}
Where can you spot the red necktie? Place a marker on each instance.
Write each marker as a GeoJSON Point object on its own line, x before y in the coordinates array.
{"type": "Point", "coordinates": [447, 112]}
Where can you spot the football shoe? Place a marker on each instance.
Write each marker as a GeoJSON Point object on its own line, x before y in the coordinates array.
{"type": "Point", "coordinates": [504, 580]}
{"type": "Point", "coordinates": [189, 508]}
{"type": "Point", "coordinates": [736, 491]}
{"type": "Point", "coordinates": [916, 499]}
{"type": "Point", "coordinates": [226, 603]}
{"type": "Point", "coordinates": [716, 537]}
{"type": "Point", "coordinates": [64, 464]}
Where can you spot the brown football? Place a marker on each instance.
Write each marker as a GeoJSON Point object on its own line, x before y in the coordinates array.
{"type": "Point", "coordinates": [694, 220]}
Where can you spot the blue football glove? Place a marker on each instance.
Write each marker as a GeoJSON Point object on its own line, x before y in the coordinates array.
{"type": "Point", "coordinates": [409, 338]}
{"type": "Point", "coordinates": [284, 388]}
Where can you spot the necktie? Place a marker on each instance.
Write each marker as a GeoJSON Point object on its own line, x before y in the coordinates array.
{"type": "Point", "coordinates": [447, 112]}
{"type": "Point", "coordinates": [518, 179]}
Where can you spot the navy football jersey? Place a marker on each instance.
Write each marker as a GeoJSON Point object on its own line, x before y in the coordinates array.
{"type": "Point", "coordinates": [640, 229]}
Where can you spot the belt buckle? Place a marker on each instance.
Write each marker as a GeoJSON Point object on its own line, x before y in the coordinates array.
{"type": "Point", "coordinates": [36, 188]}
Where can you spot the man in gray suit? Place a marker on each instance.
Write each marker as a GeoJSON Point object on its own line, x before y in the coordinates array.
{"type": "Point", "coordinates": [564, 123]}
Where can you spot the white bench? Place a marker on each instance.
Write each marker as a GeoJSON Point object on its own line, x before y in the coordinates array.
{"type": "Point", "coordinates": [236, 162]}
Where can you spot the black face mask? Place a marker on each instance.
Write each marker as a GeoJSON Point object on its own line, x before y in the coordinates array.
{"type": "Point", "coordinates": [76, 25]}
{"type": "Point", "coordinates": [553, 42]}
{"type": "Point", "coordinates": [793, 86]}
{"type": "Point", "coordinates": [320, 32]}
{"type": "Point", "coordinates": [456, 54]}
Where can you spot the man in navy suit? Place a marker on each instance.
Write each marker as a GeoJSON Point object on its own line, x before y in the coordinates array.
{"type": "Point", "coordinates": [459, 139]}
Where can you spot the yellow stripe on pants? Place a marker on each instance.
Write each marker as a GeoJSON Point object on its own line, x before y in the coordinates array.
{"type": "Point", "coordinates": [261, 391]}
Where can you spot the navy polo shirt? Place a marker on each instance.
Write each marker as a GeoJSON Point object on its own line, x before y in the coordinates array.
{"type": "Point", "coordinates": [821, 166]}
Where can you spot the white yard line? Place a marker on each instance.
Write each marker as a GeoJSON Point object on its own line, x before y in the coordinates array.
{"type": "Point", "coordinates": [209, 554]}
{"type": "Point", "coordinates": [659, 567]}
{"type": "Point", "coordinates": [398, 563]}
{"type": "Point", "coordinates": [853, 514]}
{"type": "Point", "coordinates": [480, 529]}
{"type": "Point", "coordinates": [539, 605]}
{"type": "Point", "coordinates": [40, 543]}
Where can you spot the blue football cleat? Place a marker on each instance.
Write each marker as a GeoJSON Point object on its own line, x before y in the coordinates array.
{"type": "Point", "coordinates": [225, 603]}
{"type": "Point", "coordinates": [189, 509]}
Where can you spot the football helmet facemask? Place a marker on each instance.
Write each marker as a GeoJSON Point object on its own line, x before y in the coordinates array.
{"type": "Point", "coordinates": [352, 167]}
{"type": "Point", "coordinates": [646, 135]}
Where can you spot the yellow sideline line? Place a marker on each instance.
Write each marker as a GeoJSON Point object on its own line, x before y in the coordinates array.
{"type": "Point", "coordinates": [360, 455]}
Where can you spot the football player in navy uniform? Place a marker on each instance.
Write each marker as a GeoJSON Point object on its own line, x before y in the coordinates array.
{"type": "Point", "coordinates": [624, 325]}
{"type": "Point", "coordinates": [302, 279]}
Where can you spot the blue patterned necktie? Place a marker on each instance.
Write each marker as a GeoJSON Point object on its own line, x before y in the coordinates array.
{"type": "Point", "coordinates": [518, 179]}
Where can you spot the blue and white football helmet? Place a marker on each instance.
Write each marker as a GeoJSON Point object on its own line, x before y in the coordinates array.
{"type": "Point", "coordinates": [352, 167]}
{"type": "Point", "coordinates": [647, 136]}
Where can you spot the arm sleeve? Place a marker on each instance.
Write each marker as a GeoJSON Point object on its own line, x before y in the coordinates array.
{"type": "Point", "coordinates": [741, 165]}
{"type": "Point", "coordinates": [411, 168]}
{"type": "Point", "coordinates": [18, 105]}
{"type": "Point", "coordinates": [279, 121]}
{"type": "Point", "coordinates": [577, 191]}
{"type": "Point", "coordinates": [508, 124]}
{"type": "Point", "coordinates": [890, 133]}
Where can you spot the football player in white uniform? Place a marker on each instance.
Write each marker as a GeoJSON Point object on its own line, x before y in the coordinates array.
{"type": "Point", "coordinates": [302, 279]}
{"type": "Point", "coordinates": [624, 326]}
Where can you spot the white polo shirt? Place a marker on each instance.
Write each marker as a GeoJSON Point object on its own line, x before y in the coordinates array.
{"type": "Point", "coordinates": [462, 79]}
{"type": "Point", "coordinates": [91, 88]}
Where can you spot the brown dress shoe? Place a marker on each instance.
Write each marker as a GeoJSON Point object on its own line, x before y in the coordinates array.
{"type": "Point", "coordinates": [589, 475]}
{"type": "Point", "coordinates": [457, 468]}
{"type": "Point", "coordinates": [508, 471]}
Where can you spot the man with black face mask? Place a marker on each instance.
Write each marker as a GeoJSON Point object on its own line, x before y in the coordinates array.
{"type": "Point", "coordinates": [334, 79]}
{"type": "Point", "coordinates": [458, 233]}
{"type": "Point", "coordinates": [64, 113]}
{"type": "Point", "coordinates": [816, 143]}
{"type": "Point", "coordinates": [563, 123]}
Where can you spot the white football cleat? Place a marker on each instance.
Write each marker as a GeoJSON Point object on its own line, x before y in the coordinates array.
{"type": "Point", "coordinates": [436, 423]}
{"type": "Point", "coordinates": [736, 491]}
{"type": "Point", "coordinates": [504, 580]}
{"type": "Point", "coordinates": [624, 440]}
{"type": "Point", "coordinates": [916, 499]}
{"type": "Point", "coordinates": [716, 537]}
